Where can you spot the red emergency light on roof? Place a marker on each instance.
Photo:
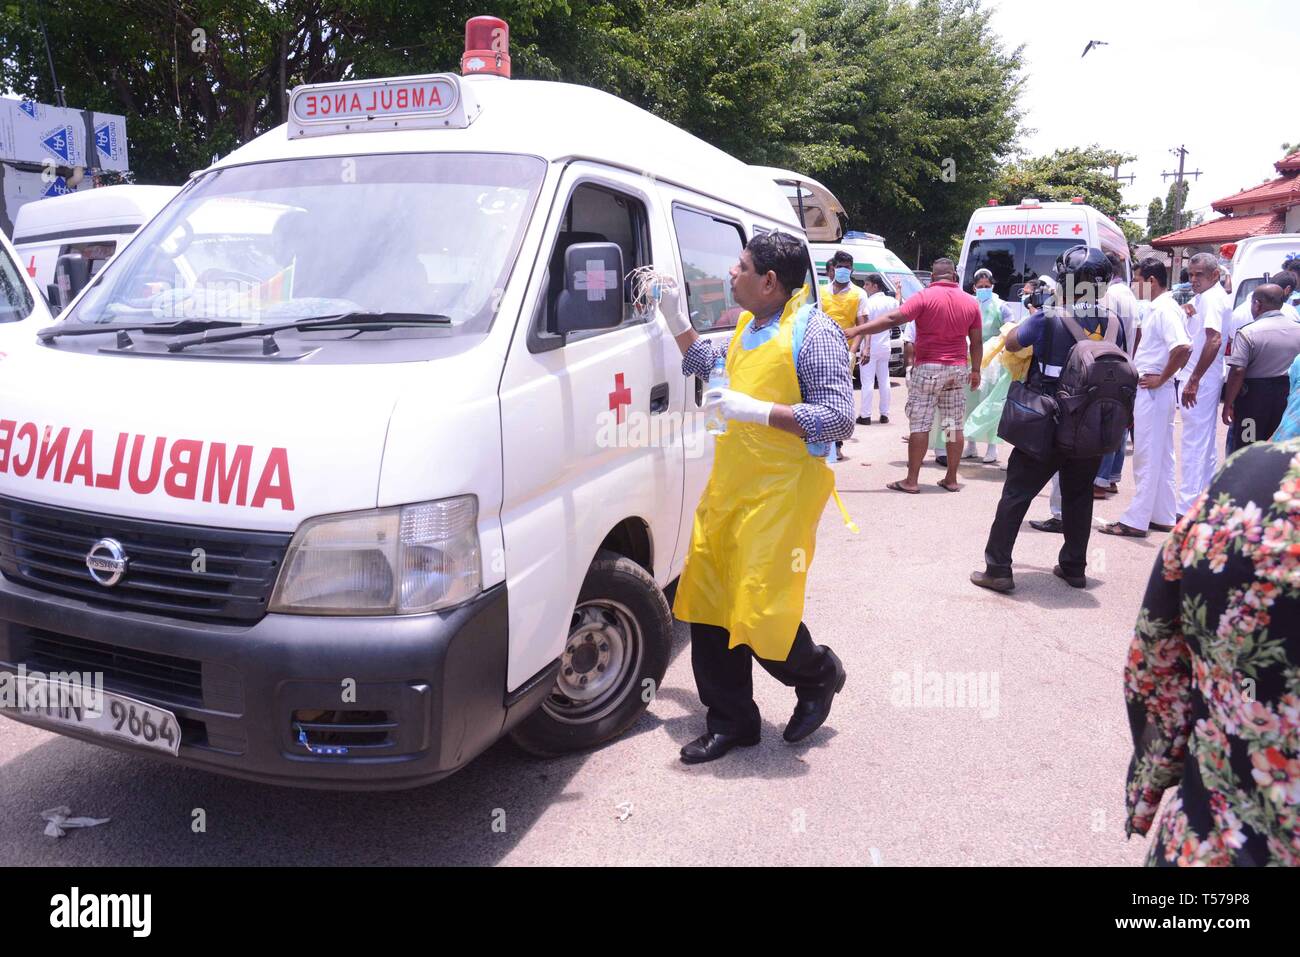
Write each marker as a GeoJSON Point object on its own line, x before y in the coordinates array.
{"type": "Point", "coordinates": [1077, 200]}
{"type": "Point", "coordinates": [1228, 250]}
{"type": "Point", "coordinates": [993, 202]}
{"type": "Point", "coordinates": [487, 48]}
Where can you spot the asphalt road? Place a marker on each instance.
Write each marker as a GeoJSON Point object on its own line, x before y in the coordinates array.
{"type": "Point", "coordinates": [1028, 770]}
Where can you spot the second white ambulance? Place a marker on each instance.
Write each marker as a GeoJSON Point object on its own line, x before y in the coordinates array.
{"type": "Point", "coordinates": [1020, 243]}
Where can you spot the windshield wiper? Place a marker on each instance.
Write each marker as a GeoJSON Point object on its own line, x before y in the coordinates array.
{"type": "Point", "coordinates": [50, 333]}
{"type": "Point", "coordinates": [346, 320]}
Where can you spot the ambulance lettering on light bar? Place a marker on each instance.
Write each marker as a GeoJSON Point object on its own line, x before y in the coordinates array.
{"type": "Point", "coordinates": [436, 101]}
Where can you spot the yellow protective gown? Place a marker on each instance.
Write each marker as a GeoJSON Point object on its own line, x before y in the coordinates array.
{"type": "Point", "coordinates": [843, 308]}
{"type": "Point", "coordinates": [756, 525]}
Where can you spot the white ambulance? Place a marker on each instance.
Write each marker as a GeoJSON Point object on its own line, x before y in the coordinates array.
{"type": "Point", "coordinates": [88, 226]}
{"type": "Point", "coordinates": [1020, 243]}
{"type": "Point", "coordinates": [361, 492]}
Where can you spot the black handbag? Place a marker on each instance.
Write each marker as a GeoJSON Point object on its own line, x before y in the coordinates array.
{"type": "Point", "coordinates": [1029, 421]}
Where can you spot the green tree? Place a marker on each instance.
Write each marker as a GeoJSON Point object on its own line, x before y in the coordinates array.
{"type": "Point", "coordinates": [1161, 216]}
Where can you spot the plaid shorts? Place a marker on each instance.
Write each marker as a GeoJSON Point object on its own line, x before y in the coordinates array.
{"type": "Point", "coordinates": [933, 387]}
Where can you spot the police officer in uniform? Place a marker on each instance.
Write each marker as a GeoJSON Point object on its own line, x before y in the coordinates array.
{"type": "Point", "coordinates": [1082, 276]}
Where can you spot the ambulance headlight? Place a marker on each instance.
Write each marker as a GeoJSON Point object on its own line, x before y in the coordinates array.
{"type": "Point", "coordinates": [390, 561]}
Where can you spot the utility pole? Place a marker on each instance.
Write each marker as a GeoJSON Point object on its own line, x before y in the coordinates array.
{"type": "Point", "coordinates": [1118, 177]}
{"type": "Point", "coordinates": [1181, 153]}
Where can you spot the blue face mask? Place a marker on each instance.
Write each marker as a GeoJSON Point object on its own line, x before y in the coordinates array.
{"type": "Point", "coordinates": [843, 274]}
{"type": "Point", "coordinates": [984, 294]}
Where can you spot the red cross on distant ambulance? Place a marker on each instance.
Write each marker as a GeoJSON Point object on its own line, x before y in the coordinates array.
{"type": "Point", "coordinates": [979, 231]}
{"type": "Point", "coordinates": [1077, 229]}
{"type": "Point", "coordinates": [620, 398]}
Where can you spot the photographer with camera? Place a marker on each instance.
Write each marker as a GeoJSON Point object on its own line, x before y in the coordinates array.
{"type": "Point", "coordinates": [1074, 407]}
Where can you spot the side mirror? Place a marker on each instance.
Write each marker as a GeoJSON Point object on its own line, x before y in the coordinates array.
{"type": "Point", "coordinates": [71, 275]}
{"type": "Point", "coordinates": [593, 288]}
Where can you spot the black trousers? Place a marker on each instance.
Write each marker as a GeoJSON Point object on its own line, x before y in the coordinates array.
{"type": "Point", "coordinates": [1258, 411]}
{"type": "Point", "coordinates": [1026, 477]}
{"type": "Point", "coordinates": [725, 680]}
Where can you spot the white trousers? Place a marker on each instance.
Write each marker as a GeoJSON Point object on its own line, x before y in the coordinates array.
{"type": "Point", "coordinates": [1154, 496]}
{"type": "Point", "coordinates": [875, 370]}
{"type": "Point", "coordinates": [1200, 456]}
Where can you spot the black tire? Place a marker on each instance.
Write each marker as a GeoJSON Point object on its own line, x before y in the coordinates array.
{"type": "Point", "coordinates": [616, 595]}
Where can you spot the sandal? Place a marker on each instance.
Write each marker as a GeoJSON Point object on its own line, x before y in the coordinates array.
{"type": "Point", "coordinates": [1122, 530]}
{"type": "Point", "coordinates": [948, 488]}
{"type": "Point", "coordinates": [898, 487]}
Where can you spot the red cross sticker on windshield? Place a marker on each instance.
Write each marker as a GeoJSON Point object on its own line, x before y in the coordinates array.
{"type": "Point", "coordinates": [1077, 229]}
{"type": "Point", "coordinates": [979, 231]}
{"type": "Point", "coordinates": [620, 398]}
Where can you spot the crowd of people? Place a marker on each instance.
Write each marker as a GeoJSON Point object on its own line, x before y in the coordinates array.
{"type": "Point", "coordinates": [1212, 680]}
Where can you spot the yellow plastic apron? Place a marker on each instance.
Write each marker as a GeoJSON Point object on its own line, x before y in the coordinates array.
{"type": "Point", "coordinates": [843, 308]}
{"type": "Point", "coordinates": [756, 526]}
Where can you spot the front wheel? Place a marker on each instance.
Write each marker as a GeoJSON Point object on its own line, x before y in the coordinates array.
{"type": "Point", "coordinates": [614, 658]}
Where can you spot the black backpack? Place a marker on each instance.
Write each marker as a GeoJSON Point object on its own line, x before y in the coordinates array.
{"type": "Point", "coordinates": [1095, 393]}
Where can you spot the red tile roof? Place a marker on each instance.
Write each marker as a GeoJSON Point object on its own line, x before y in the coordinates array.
{"type": "Point", "coordinates": [1291, 162]}
{"type": "Point", "coordinates": [1284, 191]}
{"type": "Point", "coordinates": [1226, 229]}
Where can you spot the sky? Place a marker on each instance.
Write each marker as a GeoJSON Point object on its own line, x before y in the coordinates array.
{"type": "Point", "coordinates": [1218, 78]}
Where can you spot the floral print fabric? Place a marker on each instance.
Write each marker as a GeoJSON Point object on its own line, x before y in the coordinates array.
{"type": "Point", "coordinates": [1212, 681]}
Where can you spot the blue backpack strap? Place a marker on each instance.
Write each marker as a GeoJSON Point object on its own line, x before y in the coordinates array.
{"type": "Point", "coordinates": [817, 449]}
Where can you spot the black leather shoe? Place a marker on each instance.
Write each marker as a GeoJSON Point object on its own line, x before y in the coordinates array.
{"type": "Point", "coordinates": [1049, 525]}
{"type": "Point", "coordinates": [864, 420]}
{"type": "Point", "coordinates": [992, 582]}
{"type": "Point", "coordinates": [711, 745]}
{"type": "Point", "coordinates": [811, 714]}
{"type": "Point", "coordinates": [884, 420]}
{"type": "Point", "coordinates": [1074, 581]}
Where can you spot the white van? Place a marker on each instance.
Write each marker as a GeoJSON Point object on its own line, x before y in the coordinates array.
{"type": "Point", "coordinates": [1256, 258]}
{"type": "Point", "coordinates": [389, 465]}
{"type": "Point", "coordinates": [826, 224]}
{"type": "Point", "coordinates": [1020, 243]}
{"type": "Point", "coordinates": [22, 310]}
{"type": "Point", "coordinates": [91, 225]}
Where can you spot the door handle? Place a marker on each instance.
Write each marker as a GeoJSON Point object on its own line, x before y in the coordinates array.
{"type": "Point", "coordinates": [659, 398]}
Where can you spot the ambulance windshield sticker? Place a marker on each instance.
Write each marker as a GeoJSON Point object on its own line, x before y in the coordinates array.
{"type": "Point", "coordinates": [595, 280]}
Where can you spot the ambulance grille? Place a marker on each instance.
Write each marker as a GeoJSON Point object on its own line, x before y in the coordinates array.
{"type": "Point", "coordinates": [230, 579]}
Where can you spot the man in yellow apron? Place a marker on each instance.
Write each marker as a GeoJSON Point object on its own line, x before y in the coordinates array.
{"type": "Point", "coordinates": [742, 589]}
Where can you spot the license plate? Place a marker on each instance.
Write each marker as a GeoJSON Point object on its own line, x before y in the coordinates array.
{"type": "Point", "coordinates": [117, 716]}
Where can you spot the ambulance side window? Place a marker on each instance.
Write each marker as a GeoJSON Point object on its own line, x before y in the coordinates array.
{"type": "Point", "coordinates": [15, 301]}
{"type": "Point", "coordinates": [597, 214]}
{"type": "Point", "coordinates": [709, 247]}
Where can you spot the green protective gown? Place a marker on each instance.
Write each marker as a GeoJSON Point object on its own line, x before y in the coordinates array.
{"type": "Point", "coordinates": [984, 414]}
{"type": "Point", "coordinates": [990, 378]}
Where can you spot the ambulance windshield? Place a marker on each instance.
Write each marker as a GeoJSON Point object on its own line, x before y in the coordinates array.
{"type": "Point", "coordinates": [428, 233]}
{"type": "Point", "coordinates": [15, 301]}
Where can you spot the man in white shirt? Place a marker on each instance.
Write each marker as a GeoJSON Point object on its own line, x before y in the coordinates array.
{"type": "Point", "coordinates": [1201, 391]}
{"type": "Point", "coordinates": [1165, 347]}
{"type": "Point", "coordinates": [873, 352]}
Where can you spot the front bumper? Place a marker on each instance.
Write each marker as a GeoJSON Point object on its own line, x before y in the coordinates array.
{"type": "Point", "coordinates": [430, 689]}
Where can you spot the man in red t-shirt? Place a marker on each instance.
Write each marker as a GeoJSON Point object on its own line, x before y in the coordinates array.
{"type": "Point", "coordinates": [948, 331]}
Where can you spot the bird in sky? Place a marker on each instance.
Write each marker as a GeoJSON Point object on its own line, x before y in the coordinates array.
{"type": "Point", "coordinates": [1091, 44]}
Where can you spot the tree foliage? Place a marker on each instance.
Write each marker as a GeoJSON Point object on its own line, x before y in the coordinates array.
{"type": "Point", "coordinates": [905, 108]}
{"type": "Point", "coordinates": [1162, 215]}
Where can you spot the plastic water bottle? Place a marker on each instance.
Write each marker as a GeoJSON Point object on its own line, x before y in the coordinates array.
{"type": "Point", "coordinates": [718, 379]}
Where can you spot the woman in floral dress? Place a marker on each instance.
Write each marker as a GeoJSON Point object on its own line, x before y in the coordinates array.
{"type": "Point", "coordinates": [1213, 674]}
